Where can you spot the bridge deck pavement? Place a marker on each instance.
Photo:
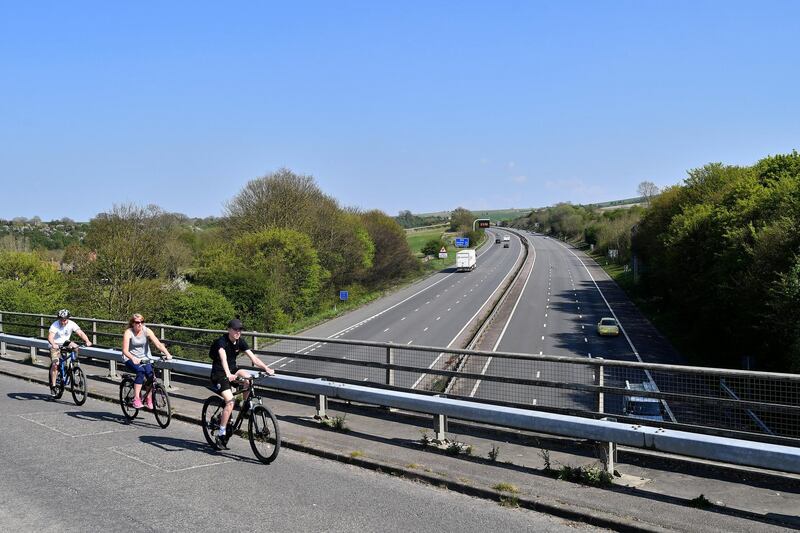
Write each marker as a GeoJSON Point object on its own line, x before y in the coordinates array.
{"type": "Point", "coordinates": [653, 493]}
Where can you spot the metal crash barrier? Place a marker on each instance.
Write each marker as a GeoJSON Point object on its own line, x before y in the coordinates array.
{"type": "Point", "coordinates": [709, 447]}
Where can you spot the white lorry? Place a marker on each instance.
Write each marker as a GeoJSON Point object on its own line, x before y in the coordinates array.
{"type": "Point", "coordinates": [465, 260]}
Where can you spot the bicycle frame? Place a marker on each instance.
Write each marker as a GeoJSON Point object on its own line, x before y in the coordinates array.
{"type": "Point", "coordinates": [253, 399]}
{"type": "Point", "coordinates": [66, 361]}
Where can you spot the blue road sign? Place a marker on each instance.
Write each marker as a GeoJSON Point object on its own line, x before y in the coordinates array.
{"type": "Point", "coordinates": [343, 295]}
{"type": "Point", "coordinates": [462, 242]}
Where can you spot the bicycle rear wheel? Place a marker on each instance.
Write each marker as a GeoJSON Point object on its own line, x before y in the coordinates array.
{"type": "Point", "coordinates": [161, 407]}
{"type": "Point", "coordinates": [126, 398]}
{"type": "Point", "coordinates": [58, 390]}
{"type": "Point", "coordinates": [265, 437]}
{"type": "Point", "coordinates": [212, 412]}
{"type": "Point", "coordinates": [78, 387]}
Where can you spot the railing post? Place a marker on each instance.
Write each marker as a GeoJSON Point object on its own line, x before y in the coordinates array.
{"type": "Point", "coordinates": [608, 450]}
{"type": "Point", "coordinates": [255, 343]}
{"type": "Point", "coordinates": [2, 343]}
{"type": "Point", "coordinates": [389, 361]}
{"type": "Point", "coordinates": [599, 380]}
{"type": "Point", "coordinates": [440, 428]}
{"type": "Point", "coordinates": [41, 326]}
{"type": "Point", "coordinates": [33, 355]}
{"type": "Point", "coordinates": [94, 331]}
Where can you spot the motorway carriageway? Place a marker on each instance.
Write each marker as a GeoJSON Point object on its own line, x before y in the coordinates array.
{"type": "Point", "coordinates": [433, 312]}
{"type": "Point", "coordinates": [556, 314]}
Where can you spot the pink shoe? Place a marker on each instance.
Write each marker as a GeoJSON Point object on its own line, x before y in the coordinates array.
{"type": "Point", "coordinates": [137, 403]}
{"type": "Point", "coordinates": [148, 401]}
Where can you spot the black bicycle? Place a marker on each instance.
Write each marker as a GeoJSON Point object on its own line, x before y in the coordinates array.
{"type": "Point", "coordinates": [161, 406]}
{"type": "Point", "coordinates": [69, 373]}
{"type": "Point", "coordinates": [262, 427]}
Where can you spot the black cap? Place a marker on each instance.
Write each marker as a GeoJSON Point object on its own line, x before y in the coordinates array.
{"type": "Point", "coordinates": [235, 324]}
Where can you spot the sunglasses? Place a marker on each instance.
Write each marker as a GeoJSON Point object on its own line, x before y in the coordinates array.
{"type": "Point", "coordinates": [138, 321]}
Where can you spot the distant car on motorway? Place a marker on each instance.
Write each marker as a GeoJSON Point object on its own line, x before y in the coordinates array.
{"type": "Point", "coordinates": [642, 407]}
{"type": "Point", "coordinates": [497, 240]}
{"type": "Point", "coordinates": [505, 245]}
{"type": "Point", "coordinates": [608, 327]}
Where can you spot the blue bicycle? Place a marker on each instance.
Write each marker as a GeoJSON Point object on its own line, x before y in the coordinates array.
{"type": "Point", "coordinates": [70, 374]}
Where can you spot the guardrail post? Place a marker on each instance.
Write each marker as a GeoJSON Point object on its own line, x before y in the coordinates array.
{"type": "Point", "coordinates": [33, 355]}
{"type": "Point", "coordinates": [440, 428]}
{"type": "Point", "coordinates": [41, 326]}
{"type": "Point", "coordinates": [322, 406]}
{"type": "Point", "coordinates": [166, 374]}
{"type": "Point", "coordinates": [94, 331]}
{"type": "Point", "coordinates": [608, 455]}
{"type": "Point", "coordinates": [389, 361]}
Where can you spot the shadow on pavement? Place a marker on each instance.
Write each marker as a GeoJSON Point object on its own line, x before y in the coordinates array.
{"type": "Point", "coordinates": [26, 396]}
{"type": "Point", "coordinates": [172, 444]}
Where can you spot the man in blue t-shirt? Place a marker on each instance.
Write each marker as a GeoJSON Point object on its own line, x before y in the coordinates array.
{"type": "Point", "coordinates": [224, 370]}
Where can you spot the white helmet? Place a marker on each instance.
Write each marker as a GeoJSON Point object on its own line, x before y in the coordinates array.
{"type": "Point", "coordinates": [63, 313]}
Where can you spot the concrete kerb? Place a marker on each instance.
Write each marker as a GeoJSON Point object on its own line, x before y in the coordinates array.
{"type": "Point", "coordinates": [594, 517]}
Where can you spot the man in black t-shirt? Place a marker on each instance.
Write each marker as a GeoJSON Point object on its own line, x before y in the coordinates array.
{"type": "Point", "coordinates": [224, 370]}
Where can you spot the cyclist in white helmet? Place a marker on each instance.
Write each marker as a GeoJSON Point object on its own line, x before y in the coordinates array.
{"type": "Point", "coordinates": [59, 333]}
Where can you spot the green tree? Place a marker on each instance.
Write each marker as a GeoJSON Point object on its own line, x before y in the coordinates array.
{"type": "Point", "coordinates": [284, 199]}
{"type": "Point", "coordinates": [271, 277]}
{"type": "Point", "coordinates": [126, 262]}
{"type": "Point", "coordinates": [29, 285]}
{"type": "Point", "coordinates": [393, 257]}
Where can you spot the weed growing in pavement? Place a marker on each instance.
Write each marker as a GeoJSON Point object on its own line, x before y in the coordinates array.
{"type": "Point", "coordinates": [592, 475]}
{"type": "Point", "coordinates": [337, 423]}
{"type": "Point", "coordinates": [509, 501]}
{"type": "Point", "coordinates": [545, 455]}
{"type": "Point", "coordinates": [506, 487]}
{"type": "Point", "coordinates": [425, 440]}
{"type": "Point", "coordinates": [355, 454]}
{"type": "Point", "coordinates": [455, 448]}
{"type": "Point", "coordinates": [494, 453]}
{"type": "Point", "coordinates": [701, 502]}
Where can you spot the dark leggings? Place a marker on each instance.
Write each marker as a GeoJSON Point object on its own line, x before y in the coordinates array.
{"type": "Point", "coordinates": [141, 370]}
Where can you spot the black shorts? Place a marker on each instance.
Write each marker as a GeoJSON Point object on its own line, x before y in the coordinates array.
{"type": "Point", "coordinates": [220, 383]}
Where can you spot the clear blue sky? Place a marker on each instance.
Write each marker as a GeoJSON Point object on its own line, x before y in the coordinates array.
{"type": "Point", "coordinates": [391, 105]}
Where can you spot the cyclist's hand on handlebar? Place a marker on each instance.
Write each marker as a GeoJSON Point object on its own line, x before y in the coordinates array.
{"type": "Point", "coordinates": [88, 344]}
{"type": "Point", "coordinates": [268, 371]}
{"type": "Point", "coordinates": [232, 377]}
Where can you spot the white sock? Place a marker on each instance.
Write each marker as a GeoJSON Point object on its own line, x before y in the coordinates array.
{"type": "Point", "coordinates": [221, 432]}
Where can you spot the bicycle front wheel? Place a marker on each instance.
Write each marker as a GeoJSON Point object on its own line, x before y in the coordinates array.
{"type": "Point", "coordinates": [161, 407]}
{"type": "Point", "coordinates": [212, 412]}
{"type": "Point", "coordinates": [265, 437]}
{"type": "Point", "coordinates": [78, 388]}
{"type": "Point", "coordinates": [126, 398]}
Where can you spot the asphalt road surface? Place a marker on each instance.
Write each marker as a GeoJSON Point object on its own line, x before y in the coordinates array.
{"type": "Point", "coordinates": [69, 468]}
{"type": "Point", "coordinates": [432, 312]}
{"type": "Point", "coordinates": [556, 314]}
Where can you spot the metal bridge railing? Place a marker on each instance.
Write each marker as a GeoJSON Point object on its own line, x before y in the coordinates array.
{"type": "Point", "coordinates": [758, 406]}
{"type": "Point", "coordinates": [728, 450]}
